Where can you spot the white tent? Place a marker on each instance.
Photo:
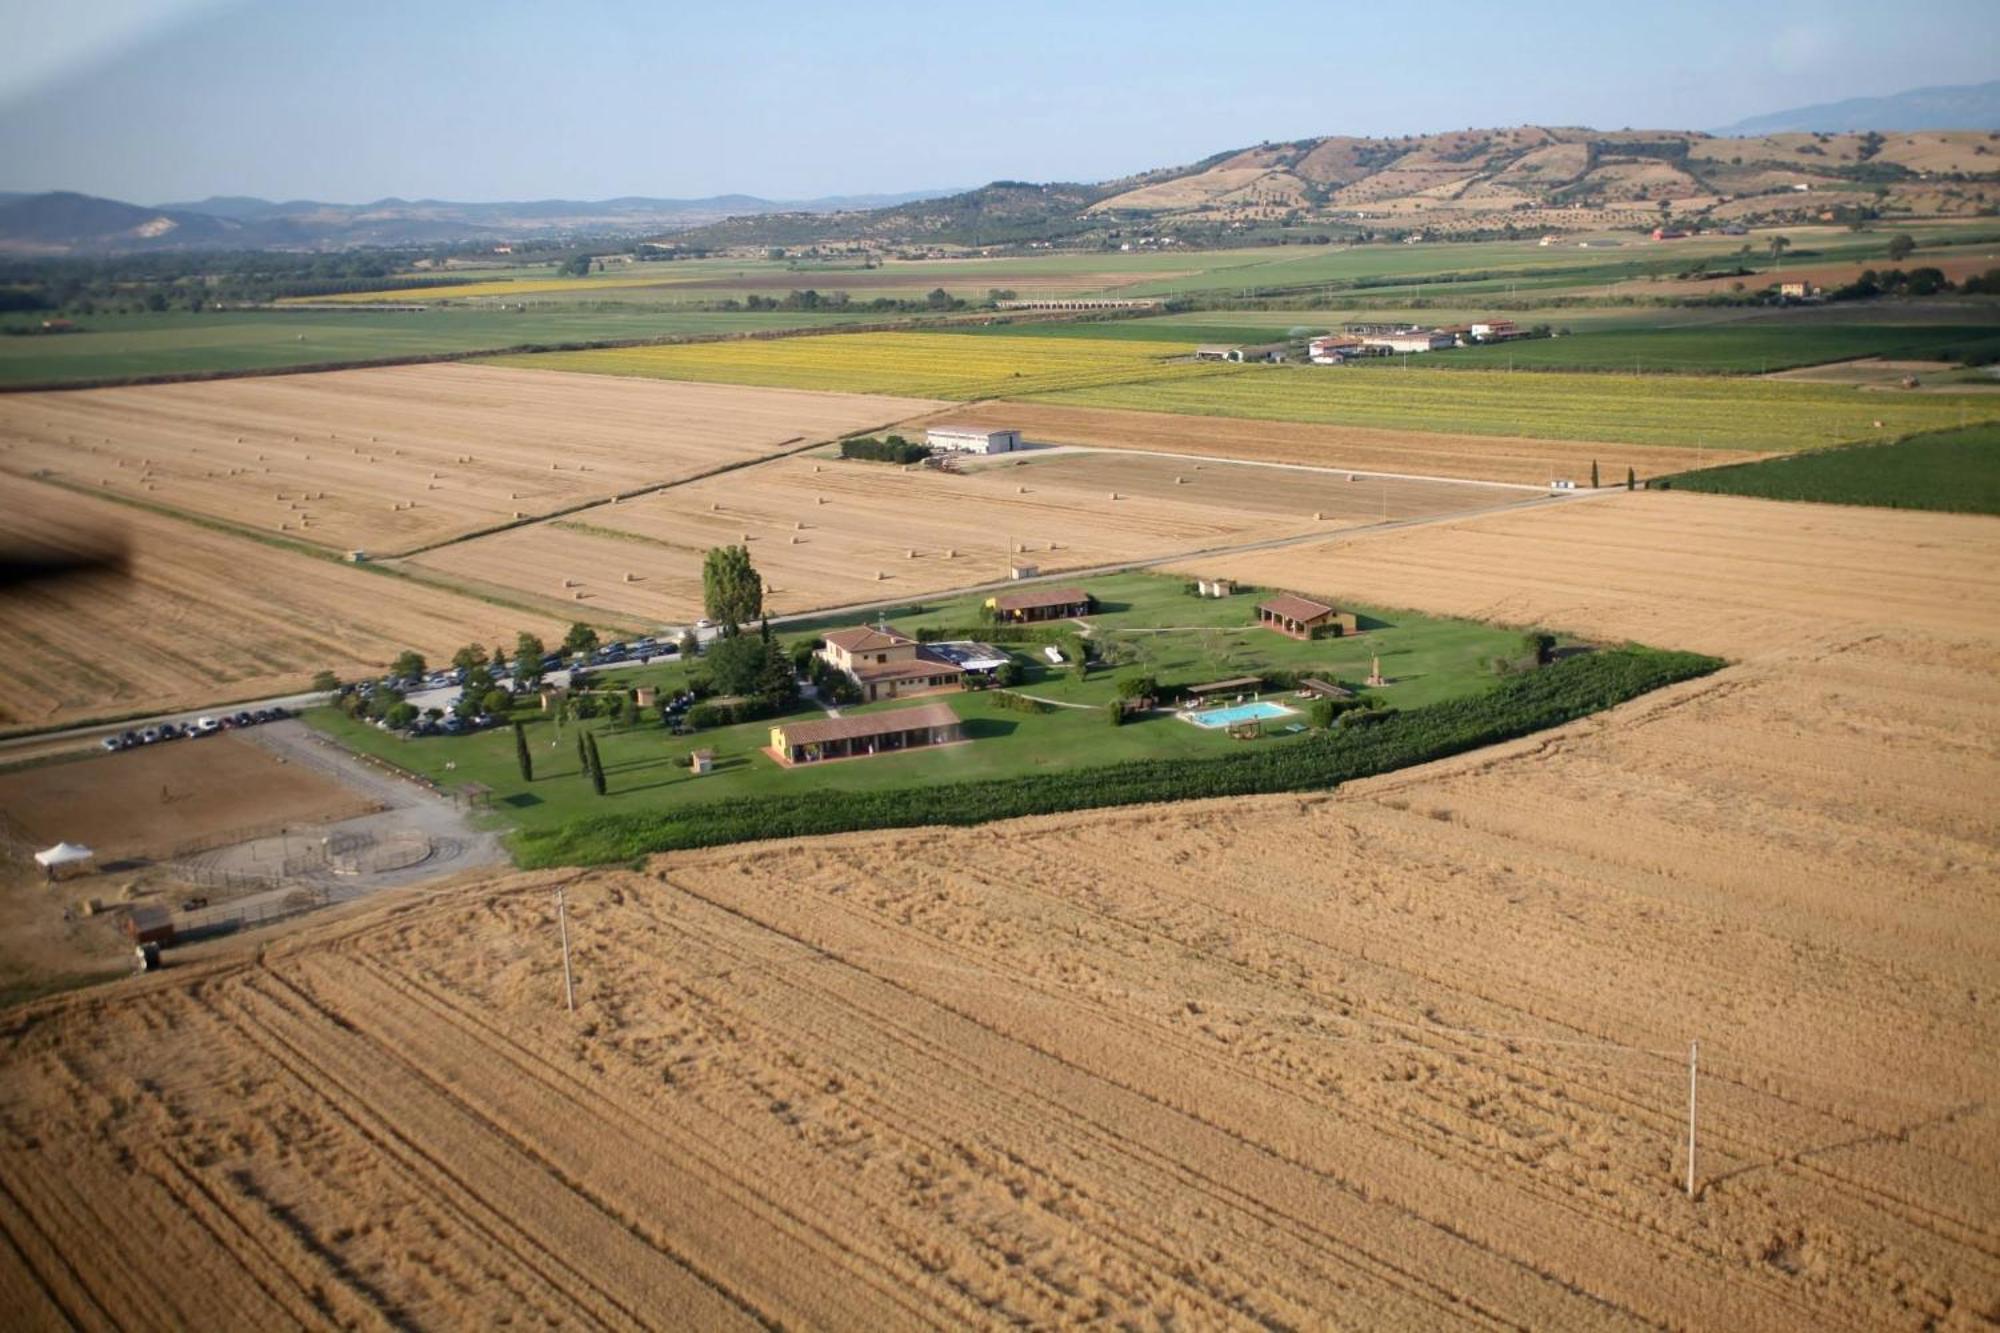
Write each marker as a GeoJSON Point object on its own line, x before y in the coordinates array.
{"type": "Point", "coordinates": [62, 854]}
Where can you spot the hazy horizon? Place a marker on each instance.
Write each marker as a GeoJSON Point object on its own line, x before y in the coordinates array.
{"type": "Point", "coordinates": [157, 101]}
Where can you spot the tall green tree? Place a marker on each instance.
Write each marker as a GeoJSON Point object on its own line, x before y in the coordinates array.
{"type": "Point", "coordinates": [470, 656]}
{"type": "Point", "coordinates": [1593, 474]}
{"type": "Point", "coordinates": [731, 591]}
{"type": "Point", "coordinates": [409, 663]}
{"type": "Point", "coordinates": [528, 654]}
{"type": "Point", "coordinates": [580, 639]}
{"type": "Point", "coordinates": [521, 755]}
{"type": "Point", "coordinates": [1901, 246]}
{"type": "Point", "coordinates": [596, 766]}
{"type": "Point", "coordinates": [583, 751]}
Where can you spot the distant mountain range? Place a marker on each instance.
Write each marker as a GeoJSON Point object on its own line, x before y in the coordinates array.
{"type": "Point", "coordinates": [1973, 106]}
{"type": "Point", "coordinates": [61, 222]}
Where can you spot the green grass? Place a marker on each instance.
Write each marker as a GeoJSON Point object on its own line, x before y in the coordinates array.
{"type": "Point", "coordinates": [1682, 410]}
{"type": "Point", "coordinates": [1952, 471]}
{"type": "Point", "coordinates": [1748, 348]}
{"type": "Point", "coordinates": [1430, 659]}
{"type": "Point", "coordinates": [178, 343]}
{"type": "Point", "coordinates": [1150, 330]}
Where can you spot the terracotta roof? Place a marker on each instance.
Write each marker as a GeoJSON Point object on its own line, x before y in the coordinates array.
{"type": "Point", "coordinates": [868, 639]}
{"type": "Point", "coordinates": [868, 724]}
{"type": "Point", "coordinates": [1325, 688]}
{"type": "Point", "coordinates": [1295, 608]}
{"type": "Point", "coordinates": [1233, 683]}
{"type": "Point", "coordinates": [922, 666]}
{"type": "Point", "coordinates": [1022, 601]}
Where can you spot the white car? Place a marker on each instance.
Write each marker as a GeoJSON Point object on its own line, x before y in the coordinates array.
{"type": "Point", "coordinates": [206, 726]}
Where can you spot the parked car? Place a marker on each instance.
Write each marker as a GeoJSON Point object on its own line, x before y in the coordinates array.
{"type": "Point", "coordinates": [204, 726]}
{"type": "Point", "coordinates": [278, 712]}
{"type": "Point", "coordinates": [112, 743]}
{"type": "Point", "coordinates": [170, 731]}
{"type": "Point", "coordinates": [149, 735]}
{"type": "Point", "coordinates": [128, 739]}
{"type": "Point", "coordinates": [243, 720]}
{"type": "Point", "coordinates": [194, 904]}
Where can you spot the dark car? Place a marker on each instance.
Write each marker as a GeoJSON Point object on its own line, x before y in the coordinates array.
{"type": "Point", "coordinates": [243, 720]}
{"type": "Point", "coordinates": [279, 712]}
{"type": "Point", "coordinates": [194, 904]}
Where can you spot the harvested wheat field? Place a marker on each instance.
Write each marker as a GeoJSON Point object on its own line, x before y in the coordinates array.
{"type": "Point", "coordinates": [1530, 462]}
{"type": "Point", "coordinates": [154, 801]}
{"type": "Point", "coordinates": [388, 460]}
{"type": "Point", "coordinates": [1407, 1056]}
{"type": "Point", "coordinates": [822, 530]}
{"type": "Point", "coordinates": [203, 616]}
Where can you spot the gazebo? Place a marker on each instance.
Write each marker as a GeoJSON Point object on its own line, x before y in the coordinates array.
{"type": "Point", "coordinates": [62, 854]}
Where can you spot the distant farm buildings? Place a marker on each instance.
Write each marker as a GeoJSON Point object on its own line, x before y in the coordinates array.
{"type": "Point", "coordinates": [972, 440]}
{"type": "Point", "coordinates": [1242, 352]}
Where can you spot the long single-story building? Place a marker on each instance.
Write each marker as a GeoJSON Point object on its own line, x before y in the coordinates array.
{"type": "Point", "coordinates": [972, 440]}
{"type": "Point", "coordinates": [852, 737]}
{"type": "Point", "coordinates": [1016, 608]}
{"type": "Point", "coordinates": [1302, 618]}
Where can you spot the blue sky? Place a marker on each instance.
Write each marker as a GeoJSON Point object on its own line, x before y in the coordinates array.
{"type": "Point", "coordinates": [155, 100]}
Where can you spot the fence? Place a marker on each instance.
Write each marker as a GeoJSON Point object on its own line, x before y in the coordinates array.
{"type": "Point", "coordinates": [227, 919]}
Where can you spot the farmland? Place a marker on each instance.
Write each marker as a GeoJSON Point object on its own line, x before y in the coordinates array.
{"type": "Point", "coordinates": [828, 533]}
{"type": "Point", "coordinates": [117, 347]}
{"type": "Point", "coordinates": [1677, 411]}
{"type": "Point", "coordinates": [1410, 1055]}
{"type": "Point", "coordinates": [421, 454]}
{"type": "Point", "coordinates": [1741, 348]}
{"type": "Point", "coordinates": [203, 616]}
{"type": "Point", "coordinates": [1955, 471]}
{"type": "Point", "coordinates": [1529, 460]}
{"type": "Point", "coordinates": [916, 365]}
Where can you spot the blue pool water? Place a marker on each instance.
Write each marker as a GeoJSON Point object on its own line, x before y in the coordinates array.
{"type": "Point", "coordinates": [1222, 717]}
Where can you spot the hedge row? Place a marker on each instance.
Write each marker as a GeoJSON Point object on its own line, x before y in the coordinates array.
{"type": "Point", "coordinates": [1570, 689]}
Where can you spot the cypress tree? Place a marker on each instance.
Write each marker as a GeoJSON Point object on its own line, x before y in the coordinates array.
{"type": "Point", "coordinates": [582, 750]}
{"type": "Point", "coordinates": [1593, 474]}
{"type": "Point", "coordinates": [521, 755]}
{"type": "Point", "coordinates": [1631, 480]}
{"type": "Point", "coordinates": [596, 767]}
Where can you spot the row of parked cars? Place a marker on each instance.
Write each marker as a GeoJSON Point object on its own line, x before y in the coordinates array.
{"type": "Point", "coordinates": [201, 726]}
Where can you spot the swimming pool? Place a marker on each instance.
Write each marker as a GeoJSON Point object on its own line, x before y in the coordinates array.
{"type": "Point", "coordinates": [1224, 717]}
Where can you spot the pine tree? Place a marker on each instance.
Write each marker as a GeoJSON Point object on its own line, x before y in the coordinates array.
{"type": "Point", "coordinates": [521, 755]}
{"type": "Point", "coordinates": [596, 767]}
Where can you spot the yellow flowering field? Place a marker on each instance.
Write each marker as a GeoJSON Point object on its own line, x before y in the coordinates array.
{"type": "Point", "coordinates": [918, 365]}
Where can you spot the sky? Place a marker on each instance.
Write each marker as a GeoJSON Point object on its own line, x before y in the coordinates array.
{"type": "Point", "coordinates": [156, 101]}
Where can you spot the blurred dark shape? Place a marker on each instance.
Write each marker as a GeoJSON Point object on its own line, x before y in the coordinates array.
{"type": "Point", "coordinates": [100, 556]}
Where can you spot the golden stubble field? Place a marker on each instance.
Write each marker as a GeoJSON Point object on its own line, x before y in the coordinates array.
{"type": "Point", "coordinates": [1523, 461]}
{"type": "Point", "coordinates": [827, 532]}
{"type": "Point", "coordinates": [1406, 1056]}
{"type": "Point", "coordinates": [205, 616]}
{"type": "Point", "coordinates": [392, 459]}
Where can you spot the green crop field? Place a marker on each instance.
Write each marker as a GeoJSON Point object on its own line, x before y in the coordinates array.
{"type": "Point", "coordinates": [1683, 410]}
{"type": "Point", "coordinates": [1953, 471]}
{"type": "Point", "coordinates": [1750, 348]}
{"type": "Point", "coordinates": [179, 343]}
{"type": "Point", "coordinates": [1187, 640]}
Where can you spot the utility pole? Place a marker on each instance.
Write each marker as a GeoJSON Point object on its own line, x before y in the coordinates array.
{"type": "Point", "coordinates": [1691, 1069]}
{"type": "Point", "coordinates": [569, 992]}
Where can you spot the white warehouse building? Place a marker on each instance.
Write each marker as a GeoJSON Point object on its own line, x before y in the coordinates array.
{"type": "Point", "coordinates": [972, 440]}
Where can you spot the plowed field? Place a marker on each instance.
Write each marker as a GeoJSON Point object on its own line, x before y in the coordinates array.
{"type": "Point", "coordinates": [829, 533]}
{"type": "Point", "coordinates": [1408, 1056]}
{"type": "Point", "coordinates": [204, 616]}
{"type": "Point", "coordinates": [387, 460]}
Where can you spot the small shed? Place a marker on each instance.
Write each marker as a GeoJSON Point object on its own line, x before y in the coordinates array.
{"type": "Point", "coordinates": [1215, 587]}
{"type": "Point", "coordinates": [702, 761]}
{"type": "Point", "coordinates": [149, 925]}
{"type": "Point", "coordinates": [1324, 689]}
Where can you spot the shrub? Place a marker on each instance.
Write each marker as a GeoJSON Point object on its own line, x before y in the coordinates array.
{"type": "Point", "coordinates": [497, 701]}
{"type": "Point", "coordinates": [1008, 674]}
{"type": "Point", "coordinates": [894, 449]}
{"type": "Point", "coordinates": [1387, 740]}
{"type": "Point", "coordinates": [400, 715]}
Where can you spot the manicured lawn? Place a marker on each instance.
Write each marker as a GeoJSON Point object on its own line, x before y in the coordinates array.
{"type": "Point", "coordinates": [1957, 471]}
{"type": "Point", "coordinates": [1197, 640]}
